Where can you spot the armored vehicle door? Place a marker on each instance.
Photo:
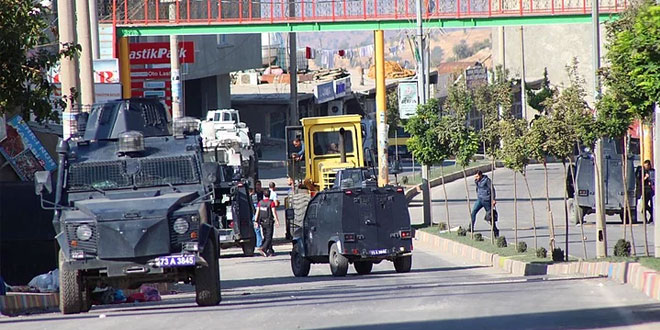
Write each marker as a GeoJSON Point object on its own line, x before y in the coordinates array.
{"type": "Point", "coordinates": [585, 181]}
{"type": "Point", "coordinates": [295, 168]}
{"type": "Point", "coordinates": [310, 229]}
{"type": "Point", "coordinates": [368, 219]}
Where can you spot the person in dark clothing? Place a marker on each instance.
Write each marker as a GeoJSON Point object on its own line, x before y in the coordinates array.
{"type": "Point", "coordinates": [649, 187]}
{"type": "Point", "coordinates": [265, 215]}
{"type": "Point", "coordinates": [484, 198]}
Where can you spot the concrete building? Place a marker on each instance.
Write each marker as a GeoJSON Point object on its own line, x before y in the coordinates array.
{"type": "Point", "coordinates": [547, 46]}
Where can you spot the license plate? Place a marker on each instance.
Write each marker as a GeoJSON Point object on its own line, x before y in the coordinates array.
{"type": "Point", "coordinates": [176, 261]}
{"type": "Point", "coordinates": [377, 252]}
{"type": "Point", "coordinates": [224, 237]}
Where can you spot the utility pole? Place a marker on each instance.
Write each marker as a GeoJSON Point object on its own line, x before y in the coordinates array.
{"type": "Point", "coordinates": [601, 233]}
{"type": "Point", "coordinates": [86, 62]}
{"type": "Point", "coordinates": [421, 95]}
{"type": "Point", "coordinates": [523, 94]}
{"type": "Point", "coordinates": [177, 109]}
{"type": "Point", "coordinates": [501, 47]}
{"type": "Point", "coordinates": [293, 70]}
{"type": "Point", "coordinates": [68, 67]}
{"type": "Point", "coordinates": [381, 108]}
{"type": "Point", "coordinates": [94, 25]}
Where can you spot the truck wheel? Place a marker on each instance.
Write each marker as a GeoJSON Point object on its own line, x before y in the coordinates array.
{"type": "Point", "coordinates": [70, 289]}
{"type": "Point", "coordinates": [299, 264]}
{"type": "Point", "coordinates": [207, 279]}
{"type": "Point", "coordinates": [363, 267]}
{"type": "Point", "coordinates": [579, 218]}
{"type": "Point", "coordinates": [248, 247]}
{"type": "Point", "coordinates": [403, 264]}
{"type": "Point", "coordinates": [338, 263]}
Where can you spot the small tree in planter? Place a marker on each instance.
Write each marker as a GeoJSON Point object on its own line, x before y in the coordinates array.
{"type": "Point", "coordinates": [465, 142]}
{"type": "Point", "coordinates": [423, 142]}
{"type": "Point", "coordinates": [494, 102]}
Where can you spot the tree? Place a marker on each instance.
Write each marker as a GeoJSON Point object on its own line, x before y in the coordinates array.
{"type": "Point", "coordinates": [393, 119]}
{"type": "Point", "coordinates": [633, 76]}
{"type": "Point", "coordinates": [437, 55]}
{"type": "Point", "coordinates": [462, 50]}
{"type": "Point", "coordinates": [515, 156]}
{"type": "Point", "coordinates": [537, 98]}
{"type": "Point", "coordinates": [494, 102]}
{"type": "Point", "coordinates": [423, 142]}
{"type": "Point", "coordinates": [25, 59]}
{"type": "Point", "coordinates": [464, 141]}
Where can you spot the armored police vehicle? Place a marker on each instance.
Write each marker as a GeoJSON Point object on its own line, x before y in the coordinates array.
{"type": "Point", "coordinates": [338, 214]}
{"type": "Point", "coordinates": [132, 205]}
{"type": "Point", "coordinates": [583, 195]}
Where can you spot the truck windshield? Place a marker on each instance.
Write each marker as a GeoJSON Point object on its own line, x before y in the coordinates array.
{"type": "Point", "coordinates": [152, 172]}
{"type": "Point", "coordinates": [327, 143]}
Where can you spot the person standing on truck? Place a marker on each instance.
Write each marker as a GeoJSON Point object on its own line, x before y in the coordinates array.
{"type": "Point", "coordinates": [484, 199]}
{"type": "Point", "coordinates": [266, 213]}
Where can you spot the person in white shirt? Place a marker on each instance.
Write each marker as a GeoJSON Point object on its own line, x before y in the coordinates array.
{"type": "Point", "coordinates": [273, 194]}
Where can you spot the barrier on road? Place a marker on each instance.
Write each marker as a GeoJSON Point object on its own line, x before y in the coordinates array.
{"type": "Point", "coordinates": [22, 303]}
{"type": "Point", "coordinates": [634, 274]}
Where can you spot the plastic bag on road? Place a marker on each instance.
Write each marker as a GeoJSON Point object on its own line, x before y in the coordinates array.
{"type": "Point", "coordinates": [49, 282]}
{"type": "Point", "coordinates": [150, 293]}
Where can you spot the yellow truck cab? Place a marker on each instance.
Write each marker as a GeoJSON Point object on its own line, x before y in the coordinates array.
{"type": "Point", "coordinates": [329, 144]}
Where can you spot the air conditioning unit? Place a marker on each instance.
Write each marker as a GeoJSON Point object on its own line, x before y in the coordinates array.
{"type": "Point", "coordinates": [249, 78]}
{"type": "Point", "coordinates": [336, 108]}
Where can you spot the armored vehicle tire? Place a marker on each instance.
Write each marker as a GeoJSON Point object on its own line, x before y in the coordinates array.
{"type": "Point", "coordinates": [363, 267]}
{"type": "Point", "coordinates": [207, 279]}
{"type": "Point", "coordinates": [579, 218]}
{"type": "Point", "coordinates": [403, 264]}
{"type": "Point", "coordinates": [70, 289]}
{"type": "Point", "coordinates": [248, 247]}
{"type": "Point", "coordinates": [338, 263]}
{"type": "Point", "coordinates": [299, 264]}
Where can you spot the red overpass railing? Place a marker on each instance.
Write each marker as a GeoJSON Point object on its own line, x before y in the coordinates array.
{"type": "Point", "coordinates": [168, 12]}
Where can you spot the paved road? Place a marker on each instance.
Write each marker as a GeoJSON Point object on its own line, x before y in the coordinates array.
{"type": "Point", "coordinates": [459, 215]}
{"type": "Point", "coordinates": [440, 293]}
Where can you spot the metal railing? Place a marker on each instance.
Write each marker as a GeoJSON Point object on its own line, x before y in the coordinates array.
{"type": "Point", "coordinates": [198, 12]}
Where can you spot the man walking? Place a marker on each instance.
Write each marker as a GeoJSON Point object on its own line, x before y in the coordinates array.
{"type": "Point", "coordinates": [484, 199]}
{"type": "Point", "coordinates": [265, 215]}
{"type": "Point", "coordinates": [649, 188]}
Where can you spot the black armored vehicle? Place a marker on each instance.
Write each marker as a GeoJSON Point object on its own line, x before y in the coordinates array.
{"type": "Point", "coordinates": [132, 205]}
{"type": "Point", "coordinates": [338, 214]}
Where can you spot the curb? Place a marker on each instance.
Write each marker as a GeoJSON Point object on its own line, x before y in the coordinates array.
{"type": "Point", "coordinates": [634, 274]}
{"type": "Point", "coordinates": [470, 171]}
{"type": "Point", "coordinates": [24, 303]}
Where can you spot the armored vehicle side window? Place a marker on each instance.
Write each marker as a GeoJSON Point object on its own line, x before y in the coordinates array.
{"type": "Point", "coordinates": [327, 143]}
{"type": "Point", "coordinates": [99, 175]}
{"type": "Point", "coordinates": [311, 211]}
{"type": "Point", "coordinates": [167, 170]}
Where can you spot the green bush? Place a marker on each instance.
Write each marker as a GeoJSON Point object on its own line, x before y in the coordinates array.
{"type": "Point", "coordinates": [522, 247]}
{"type": "Point", "coordinates": [478, 237]}
{"type": "Point", "coordinates": [442, 226]}
{"type": "Point", "coordinates": [501, 242]}
{"type": "Point", "coordinates": [557, 254]}
{"type": "Point", "coordinates": [622, 248]}
{"type": "Point", "coordinates": [461, 231]}
{"type": "Point", "coordinates": [541, 252]}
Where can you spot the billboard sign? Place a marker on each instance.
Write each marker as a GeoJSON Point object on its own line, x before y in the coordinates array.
{"type": "Point", "coordinates": [324, 92]}
{"type": "Point", "coordinates": [24, 151]}
{"type": "Point", "coordinates": [407, 99]}
{"type": "Point", "coordinates": [159, 52]}
{"type": "Point", "coordinates": [106, 71]}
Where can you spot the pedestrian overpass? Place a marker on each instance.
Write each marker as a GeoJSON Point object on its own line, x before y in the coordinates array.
{"type": "Point", "coordinates": [198, 17]}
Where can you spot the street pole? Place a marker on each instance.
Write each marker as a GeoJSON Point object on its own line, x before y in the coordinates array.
{"type": "Point", "coordinates": [501, 47]}
{"type": "Point", "coordinates": [86, 62]}
{"type": "Point", "coordinates": [601, 233]}
{"type": "Point", "coordinates": [68, 67]}
{"type": "Point", "coordinates": [293, 70]}
{"type": "Point", "coordinates": [523, 94]}
{"type": "Point", "coordinates": [381, 108]}
{"type": "Point", "coordinates": [94, 25]}
{"type": "Point", "coordinates": [177, 109]}
{"type": "Point", "coordinates": [421, 94]}
{"type": "Point", "coordinates": [125, 68]}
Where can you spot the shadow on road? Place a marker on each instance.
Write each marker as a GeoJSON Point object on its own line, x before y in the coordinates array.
{"type": "Point", "coordinates": [575, 319]}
